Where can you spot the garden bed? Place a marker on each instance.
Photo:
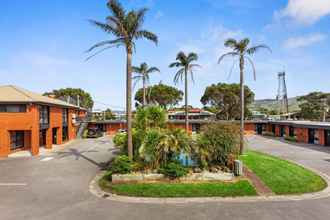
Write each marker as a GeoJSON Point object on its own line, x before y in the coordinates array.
{"type": "Point", "coordinates": [281, 176]}
{"type": "Point", "coordinates": [156, 177]}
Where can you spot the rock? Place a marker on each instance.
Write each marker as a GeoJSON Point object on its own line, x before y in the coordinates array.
{"type": "Point", "coordinates": [214, 170]}
{"type": "Point", "coordinates": [197, 170]}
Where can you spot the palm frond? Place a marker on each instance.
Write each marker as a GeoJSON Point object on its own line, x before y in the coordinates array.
{"type": "Point", "coordinates": [226, 55]}
{"type": "Point", "coordinates": [116, 42]}
{"type": "Point", "coordinates": [192, 57]}
{"type": "Point", "coordinates": [253, 67]}
{"type": "Point", "coordinates": [108, 28]}
{"type": "Point", "coordinates": [117, 9]}
{"type": "Point", "coordinates": [148, 35]}
{"type": "Point", "coordinates": [100, 51]}
{"type": "Point", "coordinates": [231, 42]}
{"type": "Point", "coordinates": [153, 69]}
{"type": "Point", "coordinates": [179, 76]}
{"type": "Point", "coordinates": [255, 49]}
{"type": "Point", "coordinates": [175, 64]}
{"type": "Point", "coordinates": [136, 69]}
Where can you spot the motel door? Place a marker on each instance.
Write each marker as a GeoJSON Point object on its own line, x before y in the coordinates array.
{"type": "Point", "coordinates": [259, 129]}
{"type": "Point", "coordinates": [327, 137]}
{"type": "Point", "coordinates": [311, 136]}
{"type": "Point", "coordinates": [54, 135]}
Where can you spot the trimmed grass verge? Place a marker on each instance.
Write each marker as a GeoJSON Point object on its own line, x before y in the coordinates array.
{"type": "Point", "coordinates": [281, 176]}
{"type": "Point", "coordinates": [172, 190]}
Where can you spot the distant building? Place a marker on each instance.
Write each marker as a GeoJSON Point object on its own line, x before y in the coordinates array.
{"type": "Point", "coordinates": [193, 114]}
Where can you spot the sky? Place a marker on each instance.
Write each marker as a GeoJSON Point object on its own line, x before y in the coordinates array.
{"type": "Point", "coordinates": [43, 44]}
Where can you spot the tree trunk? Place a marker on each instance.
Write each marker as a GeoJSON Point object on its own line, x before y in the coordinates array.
{"type": "Point", "coordinates": [186, 101]}
{"type": "Point", "coordinates": [129, 104]}
{"type": "Point", "coordinates": [144, 91]}
{"type": "Point", "coordinates": [241, 65]}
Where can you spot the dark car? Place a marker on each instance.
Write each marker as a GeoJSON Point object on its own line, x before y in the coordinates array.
{"type": "Point", "coordinates": [94, 133]}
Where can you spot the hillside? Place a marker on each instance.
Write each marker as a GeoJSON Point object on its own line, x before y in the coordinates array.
{"type": "Point", "coordinates": [272, 104]}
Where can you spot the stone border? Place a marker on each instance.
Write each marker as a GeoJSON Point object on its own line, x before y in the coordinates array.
{"type": "Point", "coordinates": [97, 191]}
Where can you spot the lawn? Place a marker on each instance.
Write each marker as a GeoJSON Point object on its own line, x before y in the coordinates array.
{"type": "Point", "coordinates": [162, 190]}
{"type": "Point", "coordinates": [281, 176]}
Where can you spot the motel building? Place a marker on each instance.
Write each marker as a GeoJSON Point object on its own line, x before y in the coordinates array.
{"type": "Point", "coordinates": [309, 132]}
{"type": "Point", "coordinates": [30, 121]}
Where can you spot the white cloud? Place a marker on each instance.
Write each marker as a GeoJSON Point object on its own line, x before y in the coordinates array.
{"type": "Point", "coordinates": [305, 11]}
{"type": "Point", "coordinates": [304, 41]}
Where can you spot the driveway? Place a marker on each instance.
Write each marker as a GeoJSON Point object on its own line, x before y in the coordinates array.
{"type": "Point", "coordinates": [56, 187]}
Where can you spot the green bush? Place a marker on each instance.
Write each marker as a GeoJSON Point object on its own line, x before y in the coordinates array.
{"type": "Point", "coordinates": [174, 170]}
{"type": "Point", "coordinates": [121, 165]}
{"type": "Point", "coordinates": [291, 139]}
{"type": "Point", "coordinates": [119, 139]}
{"type": "Point", "coordinates": [217, 145]}
{"type": "Point", "coordinates": [108, 176]}
{"type": "Point", "coordinates": [150, 117]}
{"type": "Point", "coordinates": [161, 146]}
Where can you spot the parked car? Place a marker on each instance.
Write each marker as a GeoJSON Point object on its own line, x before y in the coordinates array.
{"type": "Point", "coordinates": [94, 133]}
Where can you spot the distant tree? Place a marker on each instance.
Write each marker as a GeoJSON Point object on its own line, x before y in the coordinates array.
{"type": "Point", "coordinates": [109, 115]}
{"type": "Point", "coordinates": [314, 105]}
{"type": "Point", "coordinates": [160, 94]}
{"type": "Point", "coordinates": [143, 73]}
{"type": "Point", "coordinates": [225, 100]}
{"type": "Point", "coordinates": [185, 64]}
{"type": "Point", "coordinates": [85, 99]}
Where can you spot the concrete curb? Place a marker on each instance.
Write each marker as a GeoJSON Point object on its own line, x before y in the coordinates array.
{"type": "Point", "coordinates": [97, 191]}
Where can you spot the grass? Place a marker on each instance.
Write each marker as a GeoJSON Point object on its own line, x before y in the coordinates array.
{"type": "Point", "coordinates": [281, 176]}
{"type": "Point", "coordinates": [172, 190]}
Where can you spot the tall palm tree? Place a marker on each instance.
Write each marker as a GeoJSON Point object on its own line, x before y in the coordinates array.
{"type": "Point", "coordinates": [126, 27]}
{"type": "Point", "coordinates": [242, 51]}
{"type": "Point", "coordinates": [185, 64]}
{"type": "Point", "coordinates": [143, 72]}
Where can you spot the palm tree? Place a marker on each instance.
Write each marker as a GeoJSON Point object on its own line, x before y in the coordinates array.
{"type": "Point", "coordinates": [143, 72]}
{"type": "Point", "coordinates": [242, 51]}
{"type": "Point", "coordinates": [185, 65]}
{"type": "Point", "coordinates": [126, 27]}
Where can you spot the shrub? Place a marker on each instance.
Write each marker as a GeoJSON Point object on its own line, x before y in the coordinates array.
{"type": "Point", "coordinates": [291, 139]}
{"type": "Point", "coordinates": [150, 117]}
{"type": "Point", "coordinates": [121, 165]}
{"type": "Point", "coordinates": [108, 176]}
{"type": "Point", "coordinates": [162, 146]}
{"type": "Point", "coordinates": [119, 139]}
{"type": "Point", "coordinates": [216, 144]}
{"type": "Point", "coordinates": [174, 170]}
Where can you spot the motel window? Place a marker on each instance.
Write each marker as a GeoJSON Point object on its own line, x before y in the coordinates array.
{"type": "Point", "coordinates": [13, 108]}
{"type": "Point", "coordinates": [43, 115]}
{"type": "Point", "coordinates": [65, 116]}
{"type": "Point", "coordinates": [16, 139]}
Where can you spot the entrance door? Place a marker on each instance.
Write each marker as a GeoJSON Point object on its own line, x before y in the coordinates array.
{"type": "Point", "coordinates": [259, 129]}
{"type": "Point", "coordinates": [327, 137]}
{"type": "Point", "coordinates": [54, 135]}
{"type": "Point", "coordinates": [311, 136]}
{"type": "Point", "coordinates": [42, 137]}
{"type": "Point", "coordinates": [282, 131]}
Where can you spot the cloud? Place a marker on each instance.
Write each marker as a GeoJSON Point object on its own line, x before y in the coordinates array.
{"type": "Point", "coordinates": [303, 41]}
{"type": "Point", "coordinates": [305, 11]}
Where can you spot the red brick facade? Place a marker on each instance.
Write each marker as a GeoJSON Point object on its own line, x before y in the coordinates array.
{"type": "Point", "coordinates": [28, 122]}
